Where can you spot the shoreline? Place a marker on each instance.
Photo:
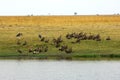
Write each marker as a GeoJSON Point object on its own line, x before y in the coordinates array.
{"type": "Point", "coordinates": [62, 57]}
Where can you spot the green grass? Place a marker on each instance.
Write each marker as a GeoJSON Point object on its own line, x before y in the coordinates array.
{"type": "Point", "coordinates": [86, 49]}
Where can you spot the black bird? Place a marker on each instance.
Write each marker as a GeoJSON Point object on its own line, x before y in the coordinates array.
{"type": "Point", "coordinates": [63, 48]}
{"type": "Point", "coordinates": [40, 50]}
{"type": "Point", "coordinates": [98, 39]}
{"type": "Point", "coordinates": [108, 38]}
{"type": "Point", "coordinates": [25, 43]}
{"type": "Point", "coordinates": [68, 50]}
{"type": "Point", "coordinates": [47, 40]}
{"type": "Point", "coordinates": [57, 45]}
{"type": "Point", "coordinates": [59, 39]}
{"type": "Point", "coordinates": [19, 34]}
{"type": "Point", "coordinates": [19, 51]}
{"type": "Point", "coordinates": [18, 42]}
{"type": "Point", "coordinates": [36, 51]}
{"type": "Point", "coordinates": [46, 49]}
{"type": "Point", "coordinates": [39, 36]}
{"type": "Point", "coordinates": [90, 37]}
{"type": "Point", "coordinates": [68, 36]}
{"type": "Point", "coordinates": [78, 40]}
{"type": "Point", "coordinates": [30, 50]}
{"type": "Point", "coordinates": [43, 38]}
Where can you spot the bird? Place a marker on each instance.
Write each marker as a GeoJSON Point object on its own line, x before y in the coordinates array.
{"type": "Point", "coordinates": [30, 50]}
{"type": "Point", "coordinates": [43, 38]}
{"type": "Point", "coordinates": [108, 38]}
{"type": "Point", "coordinates": [78, 40]}
{"type": "Point", "coordinates": [25, 43]}
{"type": "Point", "coordinates": [63, 48]}
{"type": "Point", "coordinates": [68, 50]}
{"type": "Point", "coordinates": [57, 45]}
{"type": "Point", "coordinates": [18, 42]}
{"type": "Point", "coordinates": [20, 51]}
{"type": "Point", "coordinates": [19, 34]}
{"type": "Point", "coordinates": [47, 40]}
{"type": "Point", "coordinates": [46, 49]}
{"type": "Point", "coordinates": [39, 36]}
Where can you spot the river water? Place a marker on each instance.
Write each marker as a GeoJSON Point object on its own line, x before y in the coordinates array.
{"type": "Point", "coordinates": [59, 70]}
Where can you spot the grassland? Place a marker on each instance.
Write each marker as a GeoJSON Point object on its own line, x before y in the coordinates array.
{"type": "Point", "coordinates": [54, 26]}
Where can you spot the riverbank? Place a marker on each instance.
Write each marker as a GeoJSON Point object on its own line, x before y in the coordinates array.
{"type": "Point", "coordinates": [52, 27]}
{"type": "Point", "coordinates": [63, 57]}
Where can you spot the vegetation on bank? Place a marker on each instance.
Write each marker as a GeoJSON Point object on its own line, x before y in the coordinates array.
{"type": "Point", "coordinates": [52, 27]}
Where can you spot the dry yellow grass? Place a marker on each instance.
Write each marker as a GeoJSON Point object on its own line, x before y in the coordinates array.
{"type": "Point", "coordinates": [57, 25]}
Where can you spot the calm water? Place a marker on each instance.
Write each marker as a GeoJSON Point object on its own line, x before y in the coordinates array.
{"type": "Point", "coordinates": [59, 70]}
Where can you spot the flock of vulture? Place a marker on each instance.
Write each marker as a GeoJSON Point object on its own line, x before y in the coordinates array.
{"type": "Point", "coordinates": [57, 42]}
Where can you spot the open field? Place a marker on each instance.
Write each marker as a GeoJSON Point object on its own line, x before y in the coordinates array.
{"type": "Point", "coordinates": [54, 26]}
